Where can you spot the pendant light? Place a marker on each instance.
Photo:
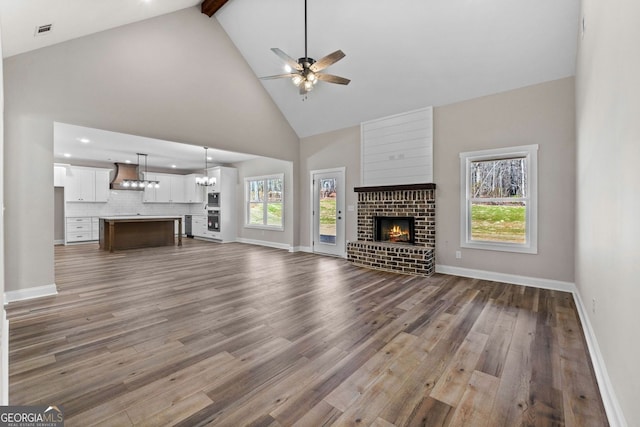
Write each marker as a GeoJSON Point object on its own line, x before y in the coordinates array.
{"type": "Point", "coordinates": [141, 182]}
{"type": "Point", "coordinates": [204, 180]}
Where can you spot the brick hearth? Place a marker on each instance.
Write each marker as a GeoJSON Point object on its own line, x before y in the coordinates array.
{"type": "Point", "coordinates": [416, 200]}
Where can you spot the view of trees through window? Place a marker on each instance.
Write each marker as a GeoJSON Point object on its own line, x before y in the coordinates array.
{"type": "Point", "coordinates": [264, 201]}
{"type": "Point", "coordinates": [498, 197]}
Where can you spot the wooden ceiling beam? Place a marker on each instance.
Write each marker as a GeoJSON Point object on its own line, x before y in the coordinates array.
{"type": "Point", "coordinates": [209, 7]}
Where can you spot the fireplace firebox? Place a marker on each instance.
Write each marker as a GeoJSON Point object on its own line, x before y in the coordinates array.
{"type": "Point", "coordinates": [394, 229]}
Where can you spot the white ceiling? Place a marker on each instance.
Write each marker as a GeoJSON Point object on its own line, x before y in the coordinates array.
{"type": "Point", "coordinates": [401, 55]}
{"type": "Point", "coordinates": [95, 145]}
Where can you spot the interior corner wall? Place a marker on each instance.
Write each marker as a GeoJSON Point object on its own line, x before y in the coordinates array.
{"type": "Point", "coordinates": [542, 114]}
{"type": "Point", "coordinates": [261, 167]}
{"type": "Point", "coordinates": [608, 203]}
{"type": "Point", "coordinates": [340, 148]}
{"type": "Point", "coordinates": [176, 77]}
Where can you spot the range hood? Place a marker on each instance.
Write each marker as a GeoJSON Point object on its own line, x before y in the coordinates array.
{"type": "Point", "coordinates": [125, 172]}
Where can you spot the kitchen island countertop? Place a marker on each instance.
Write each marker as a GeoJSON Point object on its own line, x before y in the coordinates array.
{"type": "Point", "coordinates": [142, 217]}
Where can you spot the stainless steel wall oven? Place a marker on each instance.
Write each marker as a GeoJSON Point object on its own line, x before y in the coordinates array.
{"type": "Point", "coordinates": [213, 220]}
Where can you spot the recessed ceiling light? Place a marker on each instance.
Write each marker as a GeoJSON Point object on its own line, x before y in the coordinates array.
{"type": "Point", "coordinates": [127, 161]}
{"type": "Point", "coordinates": [173, 166]}
{"type": "Point", "coordinates": [67, 155]}
{"type": "Point", "coordinates": [84, 140]}
{"type": "Point", "coordinates": [209, 158]}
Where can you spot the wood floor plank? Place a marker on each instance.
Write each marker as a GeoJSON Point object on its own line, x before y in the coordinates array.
{"type": "Point", "coordinates": [177, 411]}
{"type": "Point", "coordinates": [353, 387]}
{"type": "Point", "coordinates": [495, 353]}
{"type": "Point", "coordinates": [474, 409]}
{"type": "Point", "coordinates": [430, 412]}
{"type": "Point", "coordinates": [322, 414]}
{"type": "Point", "coordinates": [453, 382]}
{"type": "Point", "coordinates": [235, 334]}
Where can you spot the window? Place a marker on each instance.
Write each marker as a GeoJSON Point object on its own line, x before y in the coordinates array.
{"type": "Point", "coordinates": [499, 199]}
{"type": "Point", "coordinates": [264, 202]}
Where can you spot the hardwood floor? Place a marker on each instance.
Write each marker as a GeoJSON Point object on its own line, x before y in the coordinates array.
{"type": "Point", "coordinates": [235, 335]}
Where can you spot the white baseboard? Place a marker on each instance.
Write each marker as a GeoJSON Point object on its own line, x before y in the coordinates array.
{"type": "Point", "coordinates": [302, 249]}
{"type": "Point", "coordinates": [611, 405]}
{"type": "Point", "coordinates": [24, 294]}
{"type": "Point", "coordinates": [515, 279]}
{"type": "Point", "coordinates": [58, 242]}
{"type": "Point", "coordinates": [265, 243]}
{"type": "Point", "coordinates": [609, 399]}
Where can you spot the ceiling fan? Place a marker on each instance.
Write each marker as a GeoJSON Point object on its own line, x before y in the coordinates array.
{"type": "Point", "coordinates": [305, 72]}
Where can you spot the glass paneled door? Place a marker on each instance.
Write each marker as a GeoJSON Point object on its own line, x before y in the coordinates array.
{"type": "Point", "coordinates": [328, 213]}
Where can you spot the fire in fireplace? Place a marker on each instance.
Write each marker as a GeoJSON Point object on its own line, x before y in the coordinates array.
{"type": "Point", "coordinates": [393, 229]}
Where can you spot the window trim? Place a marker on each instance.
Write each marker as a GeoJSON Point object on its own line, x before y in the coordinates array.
{"type": "Point", "coordinates": [265, 202]}
{"type": "Point", "coordinates": [530, 153]}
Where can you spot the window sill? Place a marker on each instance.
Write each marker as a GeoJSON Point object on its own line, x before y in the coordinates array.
{"type": "Point", "coordinates": [264, 227]}
{"type": "Point", "coordinates": [502, 247]}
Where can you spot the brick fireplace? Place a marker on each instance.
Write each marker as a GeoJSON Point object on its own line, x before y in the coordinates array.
{"type": "Point", "coordinates": [384, 241]}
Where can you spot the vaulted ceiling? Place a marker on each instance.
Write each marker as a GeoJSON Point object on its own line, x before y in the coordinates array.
{"type": "Point", "coordinates": [400, 55]}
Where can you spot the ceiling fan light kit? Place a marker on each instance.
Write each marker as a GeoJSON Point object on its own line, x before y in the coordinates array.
{"type": "Point", "coordinates": [305, 72]}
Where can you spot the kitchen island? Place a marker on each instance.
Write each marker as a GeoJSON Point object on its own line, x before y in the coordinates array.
{"type": "Point", "coordinates": [138, 231]}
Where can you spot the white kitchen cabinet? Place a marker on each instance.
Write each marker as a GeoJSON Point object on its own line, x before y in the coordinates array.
{"type": "Point", "coordinates": [163, 192]}
{"type": "Point", "coordinates": [193, 193]}
{"type": "Point", "coordinates": [228, 208]}
{"type": "Point", "coordinates": [81, 186]}
{"type": "Point", "coordinates": [78, 229]}
{"type": "Point", "coordinates": [149, 195]}
{"type": "Point", "coordinates": [226, 187]}
{"type": "Point", "coordinates": [102, 185]}
{"type": "Point", "coordinates": [95, 228]}
{"type": "Point", "coordinates": [82, 229]}
{"type": "Point", "coordinates": [87, 185]}
{"type": "Point", "coordinates": [176, 184]}
{"type": "Point", "coordinates": [170, 190]}
{"type": "Point", "coordinates": [59, 175]}
{"type": "Point", "coordinates": [199, 225]}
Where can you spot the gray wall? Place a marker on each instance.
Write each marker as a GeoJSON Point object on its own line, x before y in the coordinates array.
{"type": "Point", "coordinates": [325, 151]}
{"type": "Point", "coordinates": [176, 77]}
{"type": "Point", "coordinates": [608, 202]}
{"type": "Point", "coordinates": [260, 167]}
{"type": "Point", "coordinates": [541, 114]}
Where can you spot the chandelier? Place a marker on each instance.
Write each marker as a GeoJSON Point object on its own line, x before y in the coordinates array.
{"type": "Point", "coordinates": [141, 182]}
{"type": "Point", "coordinates": [204, 180]}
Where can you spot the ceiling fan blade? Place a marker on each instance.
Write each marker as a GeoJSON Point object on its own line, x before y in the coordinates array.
{"type": "Point", "coordinates": [333, 79]}
{"type": "Point", "coordinates": [278, 76]}
{"type": "Point", "coordinates": [328, 60]}
{"type": "Point", "coordinates": [286, 58]}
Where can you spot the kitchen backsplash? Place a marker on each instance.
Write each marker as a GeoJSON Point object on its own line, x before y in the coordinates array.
{"type": "Point", "coordinates": [130, 203]}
